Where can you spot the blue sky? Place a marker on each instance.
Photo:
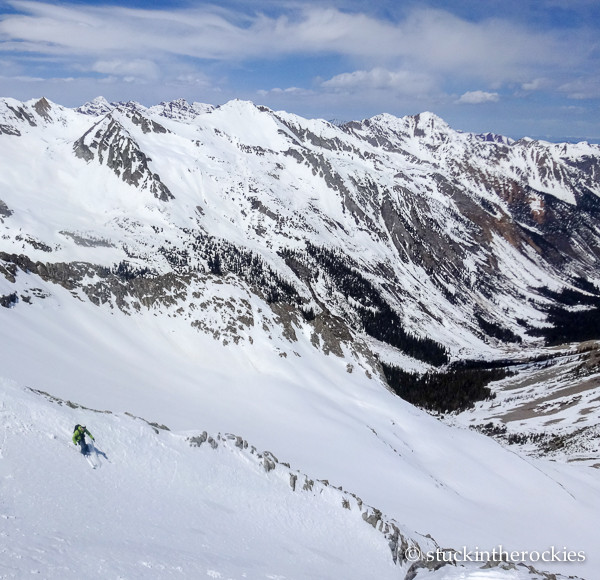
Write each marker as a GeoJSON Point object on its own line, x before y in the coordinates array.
{"type": "Point", "coordinates": [516, 67]}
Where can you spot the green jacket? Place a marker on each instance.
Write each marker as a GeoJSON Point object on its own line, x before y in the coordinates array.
{"type": "Point", "coordinates": [80, 434]}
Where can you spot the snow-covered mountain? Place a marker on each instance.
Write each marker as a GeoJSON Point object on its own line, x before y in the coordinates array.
{"type": "Point", "coordinates": [239, 270]}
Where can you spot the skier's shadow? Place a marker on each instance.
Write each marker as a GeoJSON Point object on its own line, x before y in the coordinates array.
{"type": "Point", "coordinates": [101, 453]}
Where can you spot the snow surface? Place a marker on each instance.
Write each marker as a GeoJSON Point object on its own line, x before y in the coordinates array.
{"type": "Point", "coordinates": [237, 172]}
{"type": "Point", "coordinates": [461, 487]}
{"type": "Point", "coordinates": [158, 508]}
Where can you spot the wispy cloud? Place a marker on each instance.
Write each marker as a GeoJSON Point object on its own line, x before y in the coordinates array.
{"type": "Point", "coordinates": [288, 91]}
{"type": "Point", "coordinates": [302, 53]}
{"type": "Point", "coordinates": [582, 88]}
{"type": "Point", "coordinates": [138, 69]}
{"type": "Point", "coordinates": [536, 84]}
{"type": "Point", "coordinates": [435, 39]}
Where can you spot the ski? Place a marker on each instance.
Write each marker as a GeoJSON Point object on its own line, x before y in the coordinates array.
{"type": "Point", "coordinates": [96, 457]}
{"type": "Point", "coordinates": [90, 461]}
{"type": "Point", "coordinates": [92, 456]}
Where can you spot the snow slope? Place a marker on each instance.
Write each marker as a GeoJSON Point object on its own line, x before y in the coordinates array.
{"type": "Point", "coordinates": [158, 508]}
{"type": "Point", "coordinates": [450, 220]}
{"type": "Point", "coordinates": [461, 487]}
{"type": "Point", "coordinates": [157, 505]}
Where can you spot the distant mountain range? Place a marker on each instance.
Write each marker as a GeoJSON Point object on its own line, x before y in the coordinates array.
{"type": "Point", "coordinates": [439, 243]}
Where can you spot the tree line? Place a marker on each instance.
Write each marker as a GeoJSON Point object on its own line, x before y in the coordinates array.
{"type": "Point", "coordinates": [454, 390]}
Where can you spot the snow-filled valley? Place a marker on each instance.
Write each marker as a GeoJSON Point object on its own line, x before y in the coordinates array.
{"type": "Point", "coordinates": [213, 291]}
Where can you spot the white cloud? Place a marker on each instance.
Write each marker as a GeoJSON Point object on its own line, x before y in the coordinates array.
{"type": "Point", "coordinates": [536, 84]}
{"type": "Point", "coordinates": [23, 79]}
{"type": "Point", "coordinates": [288, 91]}
{"type": "Point", "coordinates": [426, 40]}
{"type": "Point", "coordinates": [582, 88]}
{"type": "Point", "coordinates": [194, 79]}
{"type": "Point", "coordinates": [478, 97]}
{"type": "Point", "coordinates": [402, 81]}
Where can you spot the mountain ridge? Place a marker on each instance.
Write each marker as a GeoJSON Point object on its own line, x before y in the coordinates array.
{"type": "Point", "coordinates": [336, 192]}
{"type": "Point", "coordinates": [397, 239]}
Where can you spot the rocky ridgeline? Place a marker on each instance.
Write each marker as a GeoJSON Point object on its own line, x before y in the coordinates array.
{"type": "Point", "coordinates": [410, 551]}
{"type": "Point", "coordinates": [398, 538]}
{"type": "Point", "coordinates": [114, 147]}
{"type": "Point", "coordinates": [458, 224]}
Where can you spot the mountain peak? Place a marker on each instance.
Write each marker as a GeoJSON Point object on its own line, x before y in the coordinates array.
{"type": "Point", "coordinates": [131, 105]}
{"type": "Point", "coordinates": [429, 118]}
{"type": "Point", "coordinates": [181, 109]}
{"type": "Point", "coordinates": [429, 124]}
{"type": "Point", "coordinates": [494, 138]}
{"type": "Point", "coordinates": [43, 108]}
{"type": "Point", "coordinates": [96, 107]}
{"type": "Point", "coordinates": [240, 105]}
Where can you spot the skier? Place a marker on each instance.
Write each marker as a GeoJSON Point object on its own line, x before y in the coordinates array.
{"type": "Point", "coordinates": [79, 434]}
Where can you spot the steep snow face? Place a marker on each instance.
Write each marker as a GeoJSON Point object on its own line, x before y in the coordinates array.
{"type": "Point", "coordinates": [457, 485]}
{"type": "Point", "coordinates": [159, 506]}
{"type": "Point", "coordinates": [184, 503]}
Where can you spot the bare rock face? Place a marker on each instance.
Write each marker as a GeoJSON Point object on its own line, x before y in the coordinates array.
{"type": "Point", "coordinates": [43, 108]}
{"type": "Point", "coordinates": [111, 144]}
{"type": "Point", "coordinates": [5, 211]}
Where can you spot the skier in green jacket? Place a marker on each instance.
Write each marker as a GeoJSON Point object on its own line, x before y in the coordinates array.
{"type": "Point", "coordinates": [79, 438]}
